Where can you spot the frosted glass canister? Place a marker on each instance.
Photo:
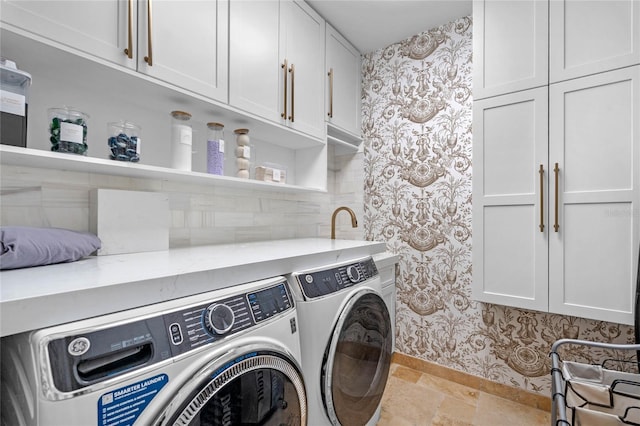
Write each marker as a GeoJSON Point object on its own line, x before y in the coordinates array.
{"type": "Point", "coordinates": [215, 148]}
{"type": "Point", "coordinates": [181, 140]}
{"type": "Point", "coordinates": [243, 153]}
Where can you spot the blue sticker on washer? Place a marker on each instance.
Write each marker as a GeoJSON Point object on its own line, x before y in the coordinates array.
{"type": "Point", "coordinates": [123, 406]}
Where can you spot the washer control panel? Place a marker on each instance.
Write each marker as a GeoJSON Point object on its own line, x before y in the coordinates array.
{"type": "Point", "coordinates": [195, 326]}
{"type": "Point", "coordinates": [327, 281]}
{"type": "Point", "coordinates": [87, 354]}
{"type": "Point", "coordinates": [269, 302]}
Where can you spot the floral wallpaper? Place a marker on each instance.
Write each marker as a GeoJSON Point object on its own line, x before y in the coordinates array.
{"type": "Point", "coordinates": [417, 106]}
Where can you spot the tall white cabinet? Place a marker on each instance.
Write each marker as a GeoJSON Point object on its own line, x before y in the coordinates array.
{"type": "Point", "coordinates": [594, 138]}
{"type": "Point", "coordinates": [556, 186]}
{"type": "Point", "coordinates": [509, 46]}
{"type": "Point", "coordinates": [510, 262]}
{"type": "Point", "coordinates": [592, 36]}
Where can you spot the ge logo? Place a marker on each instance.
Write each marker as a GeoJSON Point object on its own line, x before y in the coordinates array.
{"type": "Point", "coordinates": [79, 346]}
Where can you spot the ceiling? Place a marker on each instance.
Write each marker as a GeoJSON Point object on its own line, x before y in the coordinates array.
{"type": "Point", "coordinates": [374, 24]}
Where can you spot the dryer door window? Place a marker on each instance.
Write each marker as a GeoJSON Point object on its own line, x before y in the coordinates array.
{"type": "Point", "coordinates": [357, 360]}
{"type": "Point", "coordinates": [258, 389]}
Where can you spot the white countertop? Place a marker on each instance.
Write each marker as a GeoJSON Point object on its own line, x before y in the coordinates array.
{"type": "Point", "coordinates": [385, 259]}
{"type": "Point", "coordinates": [40, 297]}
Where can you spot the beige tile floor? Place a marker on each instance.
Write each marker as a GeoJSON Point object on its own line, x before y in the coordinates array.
{"type": "Point", "coordinates": [413, 398]}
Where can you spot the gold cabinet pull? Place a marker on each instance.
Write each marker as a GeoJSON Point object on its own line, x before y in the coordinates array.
{"type": "Point", "coordinates": [285, 67]}
{"type": "Point", "coordinates": [149, 59]}
{"type": "Point", "coordinates": [541, 171]}
{"type": "Point", "coordinates": [330, 74]}
{"type": "Point", "coordinates": [292, 70]}
{"type": "Point", "coordinates": [129, 50]}
{"type": "Point", "coordinates": [556, 226]}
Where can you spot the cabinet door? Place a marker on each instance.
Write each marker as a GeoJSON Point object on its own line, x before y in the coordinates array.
{"type": "Point", "coordinates": [343, 89]}
{"type": "Point", "coordinates": [595, 140]}
{"type": "Point", "coordinates": [255, 67]}
{"type": "Point", "coordinates": [98, 28]}
{"type": "Point", "coordinates": [510, 263]}
{"type": "Point", "coordinates": [186, 42]}
{"type": "Point", "coordinates": [587, 37]}
{"type": "Point", "coordinates": [510, 50]}
{"type": "Point", "coordinates": [304, 40]}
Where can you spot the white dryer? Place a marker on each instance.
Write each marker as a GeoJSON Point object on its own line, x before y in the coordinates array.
{"type": "Point", "coordinates": [346, 341]}
{"type": "Point", "coordinates": [225, 357]}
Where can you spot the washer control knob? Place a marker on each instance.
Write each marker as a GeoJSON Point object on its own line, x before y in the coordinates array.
{"type": "Point", "coordinates": [220, 318]}
{"type": "Point", "coordinates": [353, 273]}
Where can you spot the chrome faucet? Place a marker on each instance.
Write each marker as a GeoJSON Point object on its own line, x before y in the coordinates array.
{"type": "Point", "coordinates": [354, 221]}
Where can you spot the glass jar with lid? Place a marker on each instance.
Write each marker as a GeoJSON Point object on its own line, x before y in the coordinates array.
{"type": "Point", "coordinates": [124, 141]}
{"type": "Point", "coordinates": [215, 148]}
{"type": "Point", "coordinates": [68, 130]}
{"type": "Point", "coordinates": [243, 153]}
{"type": "Point", "coordinates": [181, 140]}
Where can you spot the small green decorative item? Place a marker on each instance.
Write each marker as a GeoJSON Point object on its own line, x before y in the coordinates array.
{"type": "Point", "coordinates": [68, 130]}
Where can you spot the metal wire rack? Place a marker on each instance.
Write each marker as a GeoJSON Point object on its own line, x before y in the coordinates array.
{"type": "Point", "coordinates": [598, 395]}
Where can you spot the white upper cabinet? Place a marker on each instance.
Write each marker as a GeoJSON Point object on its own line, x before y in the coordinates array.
{"type": "Point", "coordinates": [594, 138]}
{"type": "Point", "coordinates": [343, 88]}
{"type": "Point", "coordinates": [510, 46]}
{"type": "Point", "coordinates": [99, 28]}
{"type": "Point", "coordinates": [305, 54]}
{"type": "Point", "coordinates": [256, 78]}
{"type": "Point", "coordinates": [276, 63]}
{"type": "Point", "coordinates": [183, 43]}
{"type": "Point", "coordinates": [588, 37]}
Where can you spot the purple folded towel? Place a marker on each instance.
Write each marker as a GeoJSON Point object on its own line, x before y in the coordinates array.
{"type": "Point", "coordinates": [23, 247]}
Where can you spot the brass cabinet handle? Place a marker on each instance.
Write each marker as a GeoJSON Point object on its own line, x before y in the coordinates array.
{"type": "Point", "coordinates": [285, 67]}
{"type": "Point", "coordinates": [149, 59]}
{"type": "Point", "coordinates": [556, 226]}
{"type": "Point", "coordinates": [541, 171]}
{"type": "Point", "coordinates": [330, 74]}
{"type": "Point", "coordinates": [292, 70]}
{"type": "Point", "coordinates": [129, 50]}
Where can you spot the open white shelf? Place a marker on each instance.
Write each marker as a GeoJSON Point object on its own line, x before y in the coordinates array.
{"type": "Point", "coordinates": [27, 157]}
{"type": "Point", "coordinates": [344, 142]}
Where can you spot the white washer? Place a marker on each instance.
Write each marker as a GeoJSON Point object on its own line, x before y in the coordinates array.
{"type": "Point", "coordinates": [386, 263]}
{"type": "Point", "coordinates": [346, 341]}
{"type": "Point", "coordinates": [230, 356]}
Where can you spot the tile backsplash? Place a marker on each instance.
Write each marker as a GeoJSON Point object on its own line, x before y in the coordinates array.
{"type": "Point", "coordinates": [199, 214]}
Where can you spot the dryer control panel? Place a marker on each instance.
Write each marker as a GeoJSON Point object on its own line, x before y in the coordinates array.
{"type": "Point", "coordinates": [193, 327]}
{"type": "Point", "coordinates": [321, 283]}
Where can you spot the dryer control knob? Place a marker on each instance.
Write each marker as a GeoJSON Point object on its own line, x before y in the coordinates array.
{"type": "Point", "coordinates": [353, 273]}
{"type": "Point", "coordinates": [220, 318]}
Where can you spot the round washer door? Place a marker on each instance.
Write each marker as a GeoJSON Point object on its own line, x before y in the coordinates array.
{"type": "Point", "coordinates": [357, 360]}
{"type": "Point", "coordinates": [259, 387]}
